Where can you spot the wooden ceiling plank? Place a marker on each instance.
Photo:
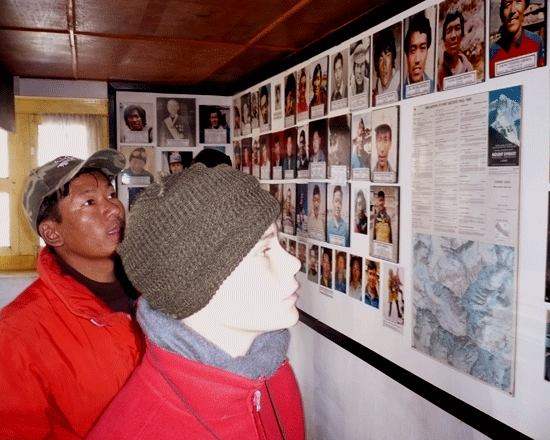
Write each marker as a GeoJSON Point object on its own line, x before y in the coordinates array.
{"type": "Point", "coordinates": [72, 40]}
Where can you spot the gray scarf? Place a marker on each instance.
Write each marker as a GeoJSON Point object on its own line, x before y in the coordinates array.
{"type": "Point", "coordinates": [266, 353]}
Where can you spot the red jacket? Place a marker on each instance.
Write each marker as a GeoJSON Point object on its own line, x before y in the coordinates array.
{"type": "Point", "coordinates": [64, 357]}
{"type": "Point", "coordinates": [172, 397]}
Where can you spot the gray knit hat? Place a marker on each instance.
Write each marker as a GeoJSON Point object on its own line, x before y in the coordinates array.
{"type": "Point", "coordinates": [186, 234]}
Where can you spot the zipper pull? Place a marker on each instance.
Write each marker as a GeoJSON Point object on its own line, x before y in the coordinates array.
{"type": "Point", "coordinates": [257, 399]}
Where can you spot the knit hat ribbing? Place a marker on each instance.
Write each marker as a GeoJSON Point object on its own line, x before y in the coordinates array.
{"type": "Point", "coordinates": [186, 235]}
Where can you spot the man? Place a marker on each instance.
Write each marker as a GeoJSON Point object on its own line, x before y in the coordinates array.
{"type": "Point", "coordinates": [303, 161]}
{"type": "Point", "coordinates": [340, 88]}
{"type": "Point", "coordinates": [277, 161]}
{"type": "Point", "coordinates": [371, 291]}
{"type": "Point", "coordinates": [318, 154]}
{"type": "Point", "coordinates": [388, 76]}
{"type": "Point", "coordinates": [264, 105]}
{"type": "Point", "coordinates": [313, 274]}
{"type": "Point", "coordinates": [215, 315]}
{"type": "Point", "coordinates": [360, 158]}
{"type": "Point", "coordinates": [340, 279]}
{"type": "Point", "coordinates": [383, 146]}
{"type": "Point", "coordinates": [326, 268]}
{"type": "Point", "coordinates": [356, 264]}
{"type": "Point", "coordinates": [176, 163]}
{"type": "Point", "coordinates": [359, 81]}
{"type": "Point", "coordinates": [302, 256]}
{"type": "Point", "coordinates": [515, 40]}
{"type": "Point", "coordinates": [339, 152]}
{"type": "Point", "coordinates": [337, 226]}
{"type": "Point", "coordinates": [174, 126]}
{"type": "Point", "coordinates": [417, 43]}
{"type": "Point", "coordinates": [289, 161]}
{"type": "Point", "coordinates": [134, 117]}
{"type": "Point", "coordinates": [454, 62]}
{"type": "Point", "coordinates": [265, 160]}
{"type": "Point", "coordinates": [215, 123]}
{"type": "Point", "coordinates": [136, 161]}
{"type": "Point", "coordinates": [69, 342]}
{"type": "Point", "coordinates": [316, 221]}
{"type": "Point", "coordinates": [382, 221]}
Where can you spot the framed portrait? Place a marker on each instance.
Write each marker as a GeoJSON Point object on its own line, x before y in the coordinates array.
{"type": "Point", "coordinates": [176, 122]}
{"type": "Point", "coordinates": [289, 208]}
{"type": "Point", "coordinates": [385, 151]}
{"type": "Point", "coordinates": [338, 163]}
{"type": "Point", "coordinates": [419, 53]}
{"type": "Point", "coordinates": [384, 233]}
{"type": "Point", "coordinates": [213, 125]}
{"type": "Point", "coordinates": [339, 84]}
{"type": "Point", "coordinates": [461, 46]}
{"type": "Point", "coordinates": [289, 154]}
{"type": "Point", "coordinates": [386, 65]}
{"type": "Point", "coordinates": [302, 104]}
{"type": "Point", "coordinates": [140, 165]}
{"type": "Point", "coordinates": [513, 21]}
{"type": "Point", "coordinates": [265, 108]}
{"type": "Point", "coordinates": [359, 74]}
{"type": "Point", "coordinates": [361, 145]}
{"type": "Point", "coordinates": [338, 214]}
{"type": "Point", "coordinates": [318, 149]}
{"type": "Point", "coordinates": [136, 123]}
{"type": "Point", "coordinates": [290, 100]}
{"type": "Point", "coordinates": [302, 155]}
{"type": "Point", "coordinates": [317, 212]}
{"type": "Point", "coordinates": [318, 86]}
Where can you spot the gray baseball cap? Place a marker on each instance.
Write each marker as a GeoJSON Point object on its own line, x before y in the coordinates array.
{"type": "Point", "coordinates": [45, 180]}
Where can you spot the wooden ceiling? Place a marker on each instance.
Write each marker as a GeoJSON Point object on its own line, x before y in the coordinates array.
{"type": "Point", "coordinates": [174, 42]}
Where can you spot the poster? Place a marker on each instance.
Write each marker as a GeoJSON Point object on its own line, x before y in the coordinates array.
{"type": "Point", "coordinates": [465, 226]}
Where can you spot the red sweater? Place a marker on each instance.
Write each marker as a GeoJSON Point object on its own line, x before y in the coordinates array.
{"type": "Point", "coordinates": [64, 357]}
{"type": "Point", "coordinates": [172, 397]}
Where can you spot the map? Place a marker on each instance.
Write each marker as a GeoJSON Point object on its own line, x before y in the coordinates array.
{"type": "Point", "coordinates": [464, 306]}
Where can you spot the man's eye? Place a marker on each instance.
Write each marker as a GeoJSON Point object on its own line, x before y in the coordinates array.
{"type": "Point", "coordinates": [89, 202]}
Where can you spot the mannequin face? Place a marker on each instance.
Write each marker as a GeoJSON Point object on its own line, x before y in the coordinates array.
{"type": "Point", "coordinates": [259, 296]}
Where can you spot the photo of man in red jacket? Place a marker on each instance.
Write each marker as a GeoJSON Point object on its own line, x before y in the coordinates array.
{"type": "Point", "coordinates": [218, 297]}
{"type": "Point", "coordinates": [69, 342]}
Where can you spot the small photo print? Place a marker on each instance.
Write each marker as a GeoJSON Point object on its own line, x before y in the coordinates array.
{"type": "Point", "coordinates": [386, 82]}
{"type": "Point", "coordinates": [302, 106]}
{"type": "Point", "coordinates": [265, 156]}
{"type": "Point", "coordinates": [372, 283]}
{"type": "Point", "coordinates": [277, 155]}
{"type": "Point", "coordinates": [356, 277]}
{"type": "Point", "coordinates": [313, 263]}
{"type": "Point", "coordinates": [302, 159]}
{"type": "Point", "coordinates": [384, 234]}
{"type": "Point", "coordinates": [246, 115]}
{"type": "Point", "coordinates": [133, 194]}
{"type": "Point", "coordinates": [136, 123]}
{"type": "Point", "coordinates": [255, 109]}
{"type": "Point", "coordinates": [317, 214]}
{"type": "Point", "coordinates": [265, 108]}
{"type": "Point", "coordinates": [359, 74]}
{"type": "Point", "coordinates": [289, 208]}
{"type": "Point", "coordinates": [360, 214]}
{"type": "Point", "coordinates": [318, 149]}
{"type": "Point", "coordinates": [236, 117]}
{"type": "Point", "coordinates": [276, 190]}
{"type": "Point", "coordinates": [237, 155]}
{"type": "Point", "coordinates": [289, 154]}
{"type": "Point", "coordinates": [301, 210]}
{"type": "Point", "coordinates": [290, 100]}
{"type": "Point", "coordinates": [385, 152]}
{"type": "Point", "coordinates": [246, 151]}
{"type": "Point", "coordinates": [292, 247]}
{"type": "Point", "coordinates": [318, 86]}
{"type": "Point", "coordinates": [339, 87]}
{"type": "Point", "coordinates": [393, 303]}
{"type": "Point", "coordinates": [277, 102]}
{"type": "Point", "coordinates": [302, 256]}
{"type": "Point", "coordinates": [140, 166]}
{"type": "Point", "coordinates": [256, 157]}
{"type": "Point", "coordinates": [338, 215]}
{"type": "Point", "coordinates": [174, 162]}
{"type": "Point", "coordinates": [338, 164]}
{"type": "Point", "coordinates": [547, 357]}
{"type": "Point", "coordinates": [213, 124]}
{"type": "Point", "coordinates": [326, 267]}
{"type": "Point", "coordinates": [176, 122]}
{"type": "Point", "coordinates": [361, 146]}
{"type": "Point", "coordinates": [341, 272]}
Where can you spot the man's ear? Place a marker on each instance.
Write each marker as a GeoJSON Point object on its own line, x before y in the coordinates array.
{"type": "Point", "coordinates": [50, 233]}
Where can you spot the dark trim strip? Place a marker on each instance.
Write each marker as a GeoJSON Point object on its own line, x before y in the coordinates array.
{"type": "Point", "coordinates": [468, 414]}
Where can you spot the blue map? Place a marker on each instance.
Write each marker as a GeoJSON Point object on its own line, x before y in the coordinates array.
{"type": "Point", "coordinates": [464, 306]}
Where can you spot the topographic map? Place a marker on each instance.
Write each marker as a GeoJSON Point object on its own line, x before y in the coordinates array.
{"type": "Point", "coordinates": [464, 305]}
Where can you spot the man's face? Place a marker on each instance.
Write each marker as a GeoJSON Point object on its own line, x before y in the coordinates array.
{"type": "Point", "coordinates": [381, 203]}
{"type": "Point", "coordinates": [359, 72]}
{"type": "Point", "coordinates": [260, 294]}
{"type": "Point", "coordinates": [264, 108]}
{"type": "Point", "coordinates": [277, 149]}
{"type": "Point", "coordinates": [289, 147]}
{"type": "Point", "coordinates": [316, 142]}
{"type": "Point", "coordinates": [214, 120]}
{"type": "Point", "coordinates": [385, 66]}
{"type": "Point", "coordinates": [326, 265]}
{"type": "Point", "coordinates": [513, 12]}
{"type": "Point", "coordinates": [135, 123]}
{"type": "Point", "coordinates": [92, 220]}
{"type": "Point", "coordinates": [292, 250]}
{"type": "Point", "coordinates": [417, 55]}
{"type": "Point", "coordinates": [338, 69]}
{"type": "Point", "coordinates": [372, 278]}
{"type": "Point", "coordinates": [173, 107]}
{"type": "Point", "coordinates": [136, 164]}
{"type": "Point", "coordinates": [290, 103]}
{"type": "Point", "coordinates": [312, 260]}
{"type": "Point", "coordinates": [302, 253]}
{"type": "Point", "coordinates": [337, 203]}
{"type": "Point", "coordinates": [341, 265]}
{"type": "Point", "coordinates": [317, 84]}
{"type": "Point", "coordinates": [316, 204]}
{"type": "Point", "coordinates": [355, 271]}
{"type": "Point", "coordinates": [302, 145]}
{"type": "Point", "coordinates": [453, 37]}
{"type": "Point", "coordinates": [383, 145]}
{"type": "Point", "coordinates": [303, 86]}
{"type": "Point", "coordinates": [177, 167]}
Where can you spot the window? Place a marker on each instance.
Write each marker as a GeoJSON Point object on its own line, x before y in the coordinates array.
{"type": "Point", "coordinates": [45, 129]}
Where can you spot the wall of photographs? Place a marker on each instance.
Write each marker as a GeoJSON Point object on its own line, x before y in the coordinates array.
{"type": "Point", "coordinates": [419, 247]}
{"type": "Point", "coordinates": [159, 134]}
